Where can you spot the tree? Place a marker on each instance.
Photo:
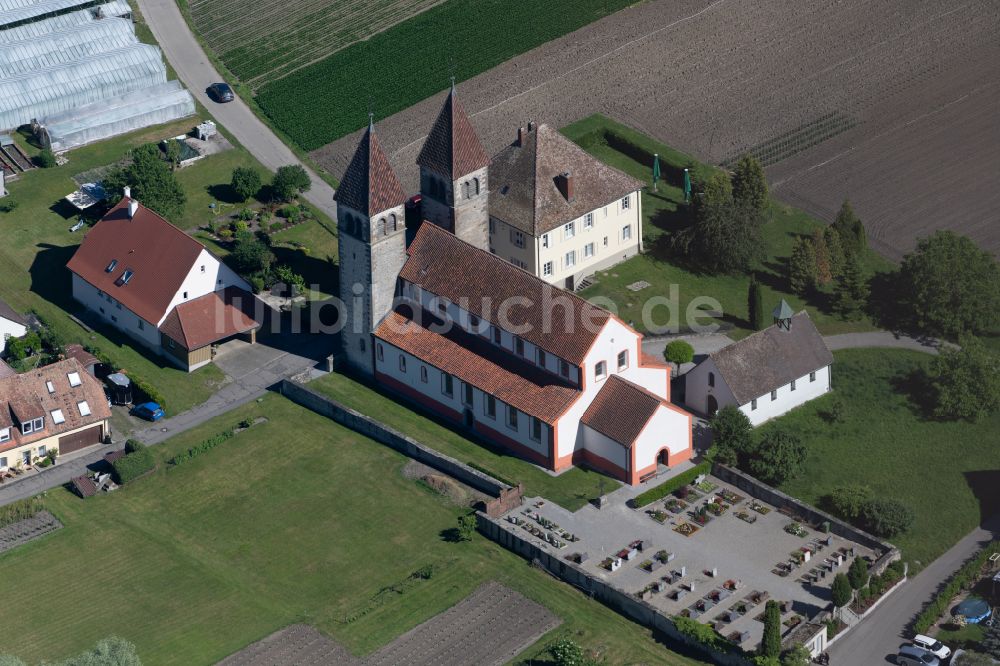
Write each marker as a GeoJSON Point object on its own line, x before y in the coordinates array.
{"type": "Point", "coordinates": [770, 644]}
{"type": "Point", "coordinates": [797, 655]}
{"type": "Point", "coordinates": [152, 182]}
{"type": "Point", "coordinates": [886, 517]}
{"type": "Point", "coordinates": [857, 574]}
{"type": "Point", "coordinates": [250, 256]}
{"type": "Point", "coordinates": [965, 381]}
{"type": "Point", "coordinates": [835, 249]}
{"type": "Point", "coordinates": [840, 591]}
{"type": "Point", "coordinates": [802, 266]}
{"type": "Point", "coordinates": [755, 304]}
{"type": "Point", "coordinates": [991, 641]}
{"type": "Point", "coordinates": [732, 432]}
{"type": "Point", "coordinates": [466, 527]}
{"type": "Point", "coordinates": [847, 501]}
{"type": "Point", "coordinates": [678, 352]}
{"type": "Point", "coordinates": [750, 184]}
{"type": "Point", "coordinates": [111, 651]}
{"type": "Point", "coordinates": [851, 230]}
{"type": "Point", "coordinates": [45, 159]}
{"type": "Point", "coordinates": [951, 286]}
{"type": "Point", "coordinates": [725, 238]}
{"type": "Point", "coordinates": [290, 181]}
{"type": "Point", "coordinates": [716, 191]}
{"type": "Point", "coordinates": [778, 456]}
{"type": "Point", "coordinates": [851, 292]}
{"type": "Point", "coordinates": [172, 149]}
{"type": "Point", "coordinates": [245, 182]}
{"type": "Point", "coordinates": [824, 271]}
{"type": "Point", "coordinates": [567, 652]}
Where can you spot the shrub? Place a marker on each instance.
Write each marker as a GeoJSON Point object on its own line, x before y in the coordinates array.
{"type": "Point", "coordinates": [678, 351]}
{"type": "Point", "coordinates": [134, 465]}
{"type": "Point", "coordinates": [700, 632]}
{"type": "Point", "coordinates": [197, 450]}
{"type": "Point", "coordinates": [225, 233]}
{"type": "Point", "coordinates": [886, 517]}
{"type": "Point", "coordinates": [770, 644]}
{"type": "Point", "coordinates": [670, 485]}
{"type": "Point", "coordinates": [19, 510]}
{"type": "Point", "coordinates": [240, 227]}
{"type": "Point", "coordinates": [290, 212]}
{"type": "Point", "coordinates": [245, 182]}
{"type": "Point", "coordinates": [847, 501]}
{"type": "Point", "coordinates": [840, 591]}
{"type": "Point", "coordinates": [8, 204]}
{"type": "Point", "coordinates": [246, 214]}
{"type": "Point", "coordinates": [857, 574]}
{"type": "Point", "coordinates": [133, 445]}
{"type": "Point", "coordinates": [797, 655]}
{"type": "Point", "coordinates": [45, 159]}
{"type": "Point", "coordinates": [276, 226]}
{"type": "Point", "coordinates": [290, 181]}
{"type": "Point", "coordinates": [964, 578]}
{"type": "Point", "coordinates": [246, 423]}
{"type": "Point", "coordinates": [145, 388]}
{"type": "Point", "coordinates": [264, 216]}
{"type": "Point", "coordinates": [567, 653]}
{"type": "Point", "coordinates": [778, 456]}
{"type": "Point", "coordinates": [466, 527]}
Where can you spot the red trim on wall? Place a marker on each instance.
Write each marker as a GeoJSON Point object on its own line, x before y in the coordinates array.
{"type": "Point", "coordinates": [599, 463]}
{"type": "Point", "coordinates": [515, 446]}
{"type": "Point", "coordinates": [417, 396]}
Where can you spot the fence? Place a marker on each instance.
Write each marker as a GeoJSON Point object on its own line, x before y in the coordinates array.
{"type": "Point", "coordinates": [394, 439]}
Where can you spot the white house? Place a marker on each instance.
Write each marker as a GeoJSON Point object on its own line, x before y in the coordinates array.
{"type": "Point", "coordinates": [558, 212]}
{"type": "Point", "coordinates": [12, 325]}
{"type": "Point", "coordinates": [766, 374]}
{"type": "Point", "coordinates": [528, 366]}
{"type": "Point", "coordinates": [142, 275]}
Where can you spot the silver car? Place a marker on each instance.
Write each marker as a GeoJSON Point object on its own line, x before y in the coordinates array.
{"type": "Point", "coordinates": [911, 655]}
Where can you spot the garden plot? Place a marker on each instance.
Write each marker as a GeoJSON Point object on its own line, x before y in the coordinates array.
{"type": "Point", "coordinates": [707, 552]}
{"type": "Point", "coordinates": [886, 102]}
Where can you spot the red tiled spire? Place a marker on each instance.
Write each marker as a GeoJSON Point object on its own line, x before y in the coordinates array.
{"type": "Point", "coordinates": [370, 185]}
{"type": "Point", "coordinates": [453, 148]}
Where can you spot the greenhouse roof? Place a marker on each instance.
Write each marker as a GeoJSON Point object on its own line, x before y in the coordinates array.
{"type": "Point", "coordinates": [115, 108]}
{"type": "Point", "coordinates": [44, 26]}
{"type": "Point", "coordinates": [64, 46]}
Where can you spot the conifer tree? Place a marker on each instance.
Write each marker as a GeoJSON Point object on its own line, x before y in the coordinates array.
{"type": "Point", "coordinates": [755, 304]}
{"type": "Point", "coordinates": [749, 183]}
{"type": "Point", "coordinates": [802, 266]}
{"type": "Point", "coordinates": [852, 291]}
{"type": "Point", "coordinates": [835, 250]}
{"type": "Point", "coordinates": [770, 644]}
{"type": "Point", "coordinates": [824, 271]}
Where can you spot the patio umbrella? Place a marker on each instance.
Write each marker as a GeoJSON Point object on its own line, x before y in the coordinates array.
{"type": "Point", "coordinates": [687, 186]}
{"type": "Point", "coordinates": [656, 170]}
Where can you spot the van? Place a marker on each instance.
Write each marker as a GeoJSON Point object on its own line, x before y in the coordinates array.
{"type": "Point", "coordinates": [911, 655]}
{"type": "Point", "coordinates": [939, 649]}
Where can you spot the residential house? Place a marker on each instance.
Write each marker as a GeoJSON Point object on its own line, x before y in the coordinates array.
{"type": "Point", "coordinates": [765, 374]}
{"type": "Point", "coordinates": [558, 212]}
{"type": "Point", "coordinates": [12, 325]}
{"type": "Point", "coordinates": [145, 277]}
{"type": "Point", "coordinates": [56, 407]}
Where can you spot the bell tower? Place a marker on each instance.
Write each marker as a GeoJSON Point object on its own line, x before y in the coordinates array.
{"type": "Point", "coordinates": [372, 246]}
{"type": "Point", "coordinates": [454, 175]}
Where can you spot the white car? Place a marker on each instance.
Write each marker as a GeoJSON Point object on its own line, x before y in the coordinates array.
{"type": "Point", "coordinates": [939, 649]}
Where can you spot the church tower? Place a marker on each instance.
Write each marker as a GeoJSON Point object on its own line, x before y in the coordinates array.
{"type": "Point", "coordinates": [454, 176]}
{"type": "Point", "coordinates": [372, 246]}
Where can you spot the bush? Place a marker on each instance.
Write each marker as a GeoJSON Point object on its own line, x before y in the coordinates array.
{"type": "Point", "coordinates": [840, 591]}
{"type": "Point", "coordinates": [245, 182]}
{"type": "Point", "coordinates": [670, 485]}
{"type": "Point", "coordinates": [466, 527]}
{"type": "Point", "coordinates": [290, 181]}
{"type": "Point", "coordinates": [134, 465]}
{"type": "Point", "coordinates": [290, 212]}
{"type": "Point", "coordinates": [19, 510]}
{"type": "Point", "coordinates": [857, 574]}
{"type": "Point", "coordinates": [886, 517]}
{"type": "Point", "coordinates": [145, 388]}
{"type": "Point", "coordinates": [45, 159]}
{"type": "Point", "coordinates": [133, 445]}
{"type": "Point", "coordinates": [246, 214]}
{"type": "Point", "coordinates": [240, 227]}
{"type": "Point", "coordinates": [964, 578]}
{"type": "Point", "coordinates": [700, 632]}
{"type": "Point", "coordinates": [678, 351]}
{"type": "Point", "coordinates": [225, 233]}
{"type": "Point", "coordinates": [276, 227]}
{"type": "Point", "coordinates": [206, 445]}
{"type": "Point", "coordinates": [777, 457]}
{"type": "Point", "coordinates": [8, 204]}
{"type": "Point", "coordinates": [847, 501]}
{"type": "Point", "coordinates": [567, 653]}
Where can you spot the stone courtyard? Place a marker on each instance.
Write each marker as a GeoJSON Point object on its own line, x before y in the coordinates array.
{"type": "Point", "coordinates": [720, 572]}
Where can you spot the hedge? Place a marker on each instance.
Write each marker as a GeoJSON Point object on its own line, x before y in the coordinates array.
{"type": "Point", "coordinates": [670, 485]}
{"type": "Point", "coordinates": [133, 465]}
{"type": "Point", "coordinates": [138, 382]}
{"type": "Point", "coordinates": [19, 510]}
{"type": "Point", "coordinates": [207, 445]}
{"type": "Point", "coordinates": [963, 579]}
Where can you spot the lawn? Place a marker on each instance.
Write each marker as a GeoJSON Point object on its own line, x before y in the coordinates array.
{"type": "Point", "coordinates": [294, 520]}
{"type": "Point", "coordinates": [664, 211]}
{"type": "Point", "coordinates": [884, 442]}
{"type": "Point", "coordinates": [968, 637]}
{"type": "Point", "coordinates": [571, 489]}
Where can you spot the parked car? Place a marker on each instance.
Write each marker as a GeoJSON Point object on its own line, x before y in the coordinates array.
{"type": "Point", "coordinates": [221, 93]}
{"type": "Point", "coordinates": [932, 645]}
{"type": "Point", "coordinates": [911, 655]}
{"type": "Point", "coordinates": [148, 410]}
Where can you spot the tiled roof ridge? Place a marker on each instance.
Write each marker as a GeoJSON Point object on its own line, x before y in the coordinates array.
{"type": "Point", "coordinates": [755, 334]}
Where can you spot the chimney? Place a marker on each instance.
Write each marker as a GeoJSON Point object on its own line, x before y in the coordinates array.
{"type": "Point", "coordinates": [564, 182]}
{"type": "Point", "coordinates": [520, 136]}
{"type": "Point", "coordinates": [128, 192]}
{"type": "Point", "coordinates": [531, 126]}
{"type": "Point", "coordinates": [133, 208]}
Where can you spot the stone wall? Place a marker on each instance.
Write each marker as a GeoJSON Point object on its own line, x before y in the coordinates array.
{"type": "Point", "coordinates": [885, 552]}
{"type": "Point", "coordinates": [509, 499]}
{"type": "Point", "coordinates": [383, 434]}
{"type": "Point", "coordinates": [620, 601]}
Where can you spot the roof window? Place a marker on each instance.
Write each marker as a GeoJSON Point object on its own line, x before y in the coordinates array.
{"type": "Point", "coordinates": [57, 416]}
{"type": "Point", "coordinates": [127, 275]}
{"type": "Point", "coordinates": [74, 379]}
{"type": "Point", "coordinates": [111, 266]}
{"type": "Point", "coordinates": [50, 386]}
{"type": "Point", "coordinates": [83, 407]}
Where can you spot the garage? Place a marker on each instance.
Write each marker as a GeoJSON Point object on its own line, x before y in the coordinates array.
{"type": "Point", "coordinates": [82, 439]}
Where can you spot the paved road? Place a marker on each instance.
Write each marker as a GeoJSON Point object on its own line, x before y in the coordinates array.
{"type": "Point", "coordinates": [877, 639]}
{"type": "Point", "coordinates": [196, 72]}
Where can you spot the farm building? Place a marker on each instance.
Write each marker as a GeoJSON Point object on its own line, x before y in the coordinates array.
{"type": "Point", "coordinates": [79, 73]}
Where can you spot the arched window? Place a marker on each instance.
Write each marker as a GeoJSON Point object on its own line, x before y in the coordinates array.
{"type": "Point", "coordinates": [711, 379]}
{"type": "Point", "coordinates": [467, 189]}
{"type": "Point", "coordinates": [393, 222]}
{"type": "Point", "coordinates": [382, 228]}
{"type": "Point", "coordinates": [475, 186]}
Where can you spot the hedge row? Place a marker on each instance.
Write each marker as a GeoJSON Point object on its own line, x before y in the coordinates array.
{"type": "Point", "coordinates": [133, 465]}
{"type": "Point", "coordinates": [964, 578]}
{"type": "Point", "coordinates": [20, 510]}
{"type": "Point", "coordinates": [207, 445]}
{"type": "Point", "coordinates": [670, 485]}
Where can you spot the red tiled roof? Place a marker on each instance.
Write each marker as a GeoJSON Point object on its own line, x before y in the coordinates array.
{"type": "Point", "coordinates": [477, 362]}
{"type": "Point", "coordinates": [160, 254]}
{"type": "Point", "coordinates": [26, 396]}
{"type": "Point", "coordinates": [654, 361]}
{"type": "Point", "coordinates": [82, 355]}
{"type": "Point", "coordinates": [558, 321]}
{"type": "Point", "coordinates": [210, 318]}
{"type": "Point", "coordinates": [6, 370]}
{"type": "Point", "coordinates": [370, 185]}
{"type": "Point", "coordinates": [621, 410]}
{"type": "Point", "coordinates": [452, 147]}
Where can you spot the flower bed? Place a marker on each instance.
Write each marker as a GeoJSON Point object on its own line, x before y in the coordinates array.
{"type": "Point", "coordinates": [746, 517]}
{"type": "Point", "coordinates": [759, 508]}
{"type": "Point", "coordinates": [659, 516]}
{"type": "Point", "coordinates": [675, 505]}
{"type": "Point", "coordinates": [730, 497]}
{"type": "Point", "coordinates": [796, 529]}
{"type": "Point", "coordinates": [685, 529]}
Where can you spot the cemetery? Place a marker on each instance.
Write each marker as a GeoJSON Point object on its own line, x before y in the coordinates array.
{"type": "Point", "coordinates": [707, 552]}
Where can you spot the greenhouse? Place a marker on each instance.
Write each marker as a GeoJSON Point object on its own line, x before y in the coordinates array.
{"type": "Point", "coordinates": [64, 46]}
{"type": "Point", "coordinates": [21, 23]}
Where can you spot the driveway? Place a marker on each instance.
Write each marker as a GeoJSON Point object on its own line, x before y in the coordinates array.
{"type": "Point", "coordinates": [196, 72]}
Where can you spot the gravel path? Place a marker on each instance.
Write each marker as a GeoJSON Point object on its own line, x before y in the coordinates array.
{"type": "Point", "coordinates": [914, 82]}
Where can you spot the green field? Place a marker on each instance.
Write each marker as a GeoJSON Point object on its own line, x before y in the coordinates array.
{"type": "Point", "coordinates": [293, 520]}
{"type": "Point", "coordinates": [884, 442]}
{"type": "Point", "coordinates": [413, 60]}
{"type": "Point", "coordinates": [571, 489]}
{"type": "Point", "coordinates": [664, 211]}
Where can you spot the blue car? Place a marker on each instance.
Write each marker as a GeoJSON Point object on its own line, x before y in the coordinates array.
{"type": "Point", "coordinates": [149, 411]}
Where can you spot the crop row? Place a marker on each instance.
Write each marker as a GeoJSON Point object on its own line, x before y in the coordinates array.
{"type": "Point", "coordinates": [411, 61]}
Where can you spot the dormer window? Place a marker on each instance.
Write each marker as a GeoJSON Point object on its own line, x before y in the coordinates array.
{"type": "Point", "coordinates": [74, 379]}
{"type": "Point", "coordinates": [34, 425]}
{"type": "Point", "coordinates": [111, 266]}
{"type": "Point", "coordinates": [51, 387]}
{"type": "Point", "coordinates": [4, 434]}
{"type": "Point", "coordinates": [58, 417]}
{"type": "Point", "coordinates": [83, 407]}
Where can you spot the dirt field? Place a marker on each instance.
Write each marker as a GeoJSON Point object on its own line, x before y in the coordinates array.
{"type": "Point", "coordinates": [891, 103]}
{"type": "Point", "coordinates": [489, 627]}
